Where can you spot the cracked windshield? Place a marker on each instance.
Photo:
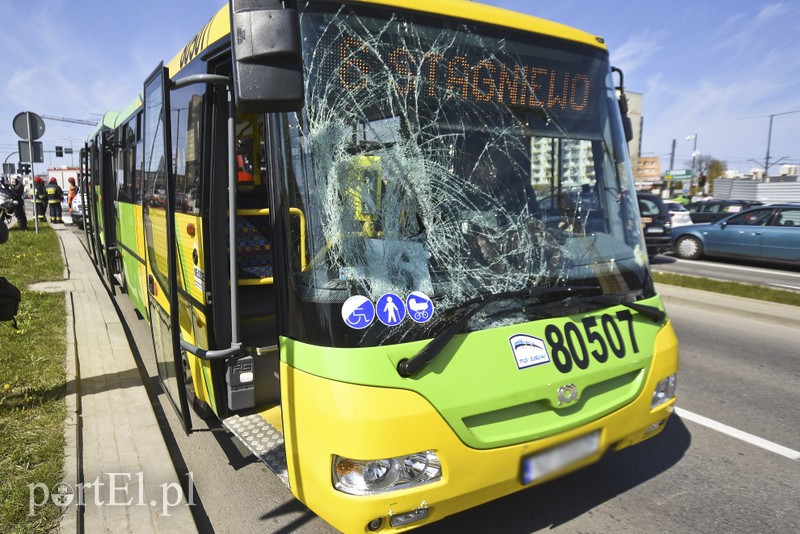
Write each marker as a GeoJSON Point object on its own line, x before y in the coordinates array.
{"type": "Point", "coordinates": [438, 164]}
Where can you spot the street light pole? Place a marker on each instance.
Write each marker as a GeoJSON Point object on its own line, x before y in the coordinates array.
{"type": "Point", "coordinates": [6, 161]}
{"type": "Point", "coordinates": [694, 157]}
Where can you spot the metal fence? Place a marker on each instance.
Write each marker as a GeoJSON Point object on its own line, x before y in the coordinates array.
{"type": "Point", "coordinates": [766, 192]}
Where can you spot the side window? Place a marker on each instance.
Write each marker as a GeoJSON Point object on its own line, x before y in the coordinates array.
{"type": "Point", "coordinates": [648, 208]}
{"type": "Point", "coordinates": [751, 218]}
{"type": "Point", "coordinates": [138, 171]}
{"type": "Point", "coordinates": [250, 150]}
{"type": "Point", "coordinates": [788, 217]}
{"type": "Point", "coordinates": [127, 165]}
{"type": "Point", "coordinates": [187, 124]}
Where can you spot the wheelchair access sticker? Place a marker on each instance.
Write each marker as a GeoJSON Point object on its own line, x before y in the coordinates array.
{"type": "Point", "coordinates": [420, 307]}
{"type": "Point", "coordinates": [358, 312]}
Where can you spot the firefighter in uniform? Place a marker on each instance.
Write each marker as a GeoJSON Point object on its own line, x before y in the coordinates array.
{"type": "Point", "coordinates": [55, 195]}
{"type": "Point", "coordinates": [19, 190]}
{"type": "Point", "coordinates": [39, 197]}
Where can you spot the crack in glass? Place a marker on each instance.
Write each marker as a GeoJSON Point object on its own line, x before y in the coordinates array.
{"type": "Point", "coordinates": [438, 158]}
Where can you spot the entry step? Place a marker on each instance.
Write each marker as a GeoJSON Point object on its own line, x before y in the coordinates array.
{"type": "Point", "coordinates": [263, 440]}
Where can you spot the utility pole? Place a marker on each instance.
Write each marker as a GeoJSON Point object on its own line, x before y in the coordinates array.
{"type": "Point", "coordinates": [769, 141]}
{"type": "Point", "coordinates": [672, 166]}
{"type": "Point", "coordinates": [672, 156]}
{"type": "Point", "coordinates": [769, 138]}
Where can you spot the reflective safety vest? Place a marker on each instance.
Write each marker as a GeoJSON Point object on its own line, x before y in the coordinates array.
{"type": "Point", "coordinates": [54, 194]}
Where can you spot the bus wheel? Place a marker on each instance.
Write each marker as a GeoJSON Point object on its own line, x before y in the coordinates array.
{"type": "Point", "coordinates": [689, 248]}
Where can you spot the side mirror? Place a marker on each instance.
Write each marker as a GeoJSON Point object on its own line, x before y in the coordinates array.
{"type": "Point", "coordinates": [627, 124]}
{"type": "Point", "coordinates": [267, 57]}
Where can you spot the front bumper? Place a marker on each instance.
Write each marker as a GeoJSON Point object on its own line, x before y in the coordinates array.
{"type": "Point", "coordinates": [334, 418]}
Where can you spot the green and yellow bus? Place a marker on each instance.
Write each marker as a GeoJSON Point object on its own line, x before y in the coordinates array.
{"type": "Point", "coordinates": [400, 240]}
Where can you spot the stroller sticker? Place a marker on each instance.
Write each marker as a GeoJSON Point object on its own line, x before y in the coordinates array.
{"type": "Point", "coordinates": [420, 307]}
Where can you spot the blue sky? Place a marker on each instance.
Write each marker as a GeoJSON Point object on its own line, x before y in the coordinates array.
{"type": "Point", "coordinates": [717, 69]}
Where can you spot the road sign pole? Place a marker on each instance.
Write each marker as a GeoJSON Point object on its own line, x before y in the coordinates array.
{"type": "Point", "coordinates": [33, 172]}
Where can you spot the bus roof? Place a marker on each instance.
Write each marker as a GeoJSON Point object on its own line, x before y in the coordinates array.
{"type": "Point", "coordinates": [108, 122]}
{"type": "Point", "coordinates": [219, 25]}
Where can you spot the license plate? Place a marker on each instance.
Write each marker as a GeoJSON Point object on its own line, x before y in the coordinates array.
{"type": "Point", "coordinates": [655, 230]}
{"type": "Point", "coordinates": [547, 462]}
{"type": "Point", "coordinates": [647, 220]}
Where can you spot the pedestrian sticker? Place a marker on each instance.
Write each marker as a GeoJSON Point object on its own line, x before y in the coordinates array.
{"type": "Point", "coordinates": [358, 312]}
{"type": "Point", "coordinates": [420, 307]}
{"type": "Point", "coordinates": [390, 309]}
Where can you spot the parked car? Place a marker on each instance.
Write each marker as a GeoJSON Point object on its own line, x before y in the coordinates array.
{"type": "Point", "coordinates": [706, 211]}
{"type": "Point", "coordinates": [767, 233]}
{"type": "Point", "coordinates": [680, 215]}
{"type": "Point", "coordinates": [656, 223]}
{"type": "Point", "coordinates": [78, 212]}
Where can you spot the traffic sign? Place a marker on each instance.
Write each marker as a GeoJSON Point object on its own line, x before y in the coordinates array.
{"type": "Point", "coordinates": [28, 125]}
{"type": "Point", "coordinates": [25, 152]}
{"type": "Point", "coordinates": [678, 175]}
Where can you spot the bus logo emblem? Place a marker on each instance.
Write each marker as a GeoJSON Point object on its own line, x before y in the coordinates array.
{"type": "Point", "coordinates": [567, 394]}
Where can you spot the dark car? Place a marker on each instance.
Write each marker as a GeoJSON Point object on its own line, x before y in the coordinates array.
{"type": "Point", "coordinates": [706, 211]}
{"type": "Point", "coordinates": [767, 233]}
{"type": "Point", "coordinates": [656, 223]}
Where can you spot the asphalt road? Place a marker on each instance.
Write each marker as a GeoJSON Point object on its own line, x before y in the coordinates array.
{"type": "Point", "coordinates": [777, 277]}
{"type": "Point", "coordinates": [740, 366]}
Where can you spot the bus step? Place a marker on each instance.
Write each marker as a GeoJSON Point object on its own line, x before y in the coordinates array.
{"type": "Point", "coordinates": [263, 440]}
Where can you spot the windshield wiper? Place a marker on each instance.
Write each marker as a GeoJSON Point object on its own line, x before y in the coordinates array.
{"type": "Point", "coordinates": [651, 312]}
{"type": "Point", "coordinates": [410, 366]}
{"type": "Point", "coordinates": [572, 295]}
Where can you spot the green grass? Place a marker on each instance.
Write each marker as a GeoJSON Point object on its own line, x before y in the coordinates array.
{"type": "Point", "coordinates": [32, 387]}
{"type": "Point", "coordinates": [737, 289]}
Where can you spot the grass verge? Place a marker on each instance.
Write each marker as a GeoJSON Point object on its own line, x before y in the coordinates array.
{"type": "Point", "coordinates": [737, 289]}
{"type": "Point", "coordinates": [32, 383]}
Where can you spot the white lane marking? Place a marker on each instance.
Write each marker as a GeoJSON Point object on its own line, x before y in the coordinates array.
{"type": "Point", "coordinates": [742, 268]}
{"type": "Point", "coordinates": [738, 434]}
{"type": "Point", "coordinates": [796, 288]}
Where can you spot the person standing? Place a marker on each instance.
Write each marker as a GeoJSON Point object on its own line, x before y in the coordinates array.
{"type": "Point", "coordinates": [73, 190]}
{"type": "Point", "coordinates": [55, 195]}
{"type": "Point", "coordinates": [39, 197]}
{"type": "Point", "coordinates": [19, 191]}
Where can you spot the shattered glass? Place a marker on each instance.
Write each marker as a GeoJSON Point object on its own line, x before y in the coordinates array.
{"type": "Point", "coordinates": [458, 161]}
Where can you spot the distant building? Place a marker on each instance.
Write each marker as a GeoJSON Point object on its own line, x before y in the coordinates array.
{"type": "Point", "coordinates": [789, 170]}
{"type": "Point", "coordinates": [62, 175]}
{"type": "Point", "coordinates": [648, 169]}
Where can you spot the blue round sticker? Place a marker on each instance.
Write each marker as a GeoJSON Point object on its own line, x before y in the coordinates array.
{"type": "Point", "coordinates": [390, 309]}
{"type": "Point", "coordinates": [420, 307]}
{"type": "Point", "coordinates": [358, 312]}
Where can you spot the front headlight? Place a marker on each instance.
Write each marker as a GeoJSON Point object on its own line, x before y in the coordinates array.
{"type": "Point", "coordinates": [370, 477]}
{"type": "Point", "coordinates": [665, 390]}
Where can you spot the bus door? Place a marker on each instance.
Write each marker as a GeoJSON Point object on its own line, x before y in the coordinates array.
{"type": "Point", "coordinates": [106, 208]}
{"type": "Point", "coordinates": [158, 206]}
{"type": "Point", "coordinates": [87, 171]}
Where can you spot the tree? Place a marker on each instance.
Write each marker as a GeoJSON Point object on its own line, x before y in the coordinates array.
{"type": "Point", "coordinates": [706, 165]}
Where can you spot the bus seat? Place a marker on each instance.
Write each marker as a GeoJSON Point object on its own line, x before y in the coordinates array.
{"type": "Point", "coordinates": [253, 247]}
